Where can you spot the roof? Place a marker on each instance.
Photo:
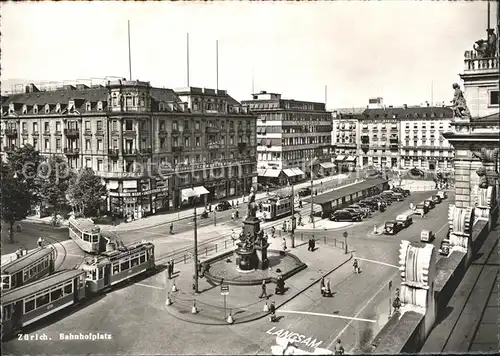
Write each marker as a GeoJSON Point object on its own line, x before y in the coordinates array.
{"type": "Point", "coordinates": [232, 101]}
{"type": "Point", "coordinates": [40, 285]}
{"type": "Point", "coordinates": [344, 191]}
{"type": "Point", "coordinates": [58, 96]}
{"type": "Point", "coordinates": [86, 225]}
{"type": "Point", "coordinates": [494, 118]}
{"type": "Point", "coordinates": [410, 112]}
{"type": "Point", "coordinates": [350, 111]}
{"type": "Point", "coordinates": [165, 95]}
{"type": "Point", "coordinates": [26, 260]}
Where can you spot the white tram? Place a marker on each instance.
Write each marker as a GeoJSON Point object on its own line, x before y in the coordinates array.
{"type": "Point", "coordinates": [112, 267]}
{"type": "Point", "coordinates": [34, 301]}
{"type": "Point", "coordinates": [86, 234]}
{"type": "Point", "coordinates": [275, 207]}
{"type": "Point", "coordinates": [28, 268]}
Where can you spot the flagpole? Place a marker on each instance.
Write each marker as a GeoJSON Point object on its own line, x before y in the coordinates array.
{"type": "Point", "coordinates": [129, 53]}
{"type": "Point", "coordinates": [217, 63]}
{"type": "Point", "coordinates": [187, 58]}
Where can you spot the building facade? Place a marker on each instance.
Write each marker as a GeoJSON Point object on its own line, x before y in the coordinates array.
{"type": "Point", "coordinates": [345, 137]}
{"type": "Point", "coordinates": [292, 136]}
{"type": "Point", "coordinates": [146, 143]}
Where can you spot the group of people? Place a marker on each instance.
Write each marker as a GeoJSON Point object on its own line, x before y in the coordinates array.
{"type": "Point", "coordinates": [280, 287]}
{"type": "Point", "coordinates": [325, 289]}
{"type": "Point", "coordinates": [312, 244]}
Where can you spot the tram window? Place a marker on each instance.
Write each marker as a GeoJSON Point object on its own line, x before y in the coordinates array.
{"type": "Point", "coordinates": [26, 275]}
{"type": "Point", "coordinates": [68, 288]}
{"type": "Point", "coordinates": [95, 238]}
{"type": "Point", "coordinates": [142, 258]}
{"type": "Point", "coordinates": [5, 282]}
{"type": "Point", "coordinates": [116, 268]}
{"type": "Point", "coordinates": [134, 261]}
{"type": "Point", "coordinates": [86, 237]}
{"type": "Point", "coordinates": [82, 281]}
{"type": "Point", "coordinates": [101, 273]}
{"type": "Point", "coordinates": [7, 312]}
{"type": "Point", "coordinates": [124, 265]}
{"type": "Point", "coordinates": [56, 294]}
{"type": "Point", "coordinates": [42, 300]}
{"type": "Point", "coordinates": [94, 275]}
{"type": "Point", "coordinates": [29, 305]}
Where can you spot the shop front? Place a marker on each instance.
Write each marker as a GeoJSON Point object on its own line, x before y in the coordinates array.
{"type": "Point", "coordinates": [136, 205]}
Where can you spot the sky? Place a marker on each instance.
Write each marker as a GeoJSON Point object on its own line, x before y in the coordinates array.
{"type": "Point", "coordinates": [398, 50]}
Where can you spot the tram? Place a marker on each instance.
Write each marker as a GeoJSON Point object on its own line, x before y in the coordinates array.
{"type": "Point", "coordinates": [113, 267]}
{"type": "Point", "coordinates": [86, 234]}
{"type": "Point", "coordinates": [34, 301]}
{"type": "Point", "coordinates": [28, 268]}
{"type": "Point", "coordinates": [275, 207]}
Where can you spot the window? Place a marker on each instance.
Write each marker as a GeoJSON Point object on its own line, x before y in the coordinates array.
{"type": "Point", "coordinates": [124, 265]}
{"type": "Point", "coordinates": [88, 107]}
{"type": "Point", "coordinates": [99, 145]}
{"type": "Point", "coordinates": [35, 127]}
{"type": "Point", "coordinates": [35, 109]}
{"type": "Point", "coordinates": [162, 142]}
{"type": "Point", "coordinates": [197, 142]}
{"type": "Point", "coordinates": [129, 125]}
{"type": "Point", "coordinates": [175, 142]}
{"type": "Point", "coordinates": [29, 305]}
{"type": "Point", "coordinates": [56, 294]}
{"type": "Point", "coordinates": [99, 165]}
{"type": "Point", "coordinates": [35, 142]}
{"type": "Point", "coordinates": [116, 268]}
{"type": "Point", "coordinates": [186, 142]}
{"type": "Point", "coordinates": [134, 261]}
{"type": "Point", "coordinates": [47, 144]}
{"type": "Point", "coordinates": [197, 125]}
{"type": "Point", "coordinates": [88, 163]}
{"type": "Point", "coordinates": [87, 144]}
{"type": "Point", "coordinates": [68, 288]}
{"type": "Point", "coordinates": [42, 300]}
{"type": "Point", "coordinates": [46, 126]}
{"type": "Point", "coordinates": [99, 125]}
{"type": "Point", "coordinates": [494, 98]}
{"type": "Point", "coordinates": [58, 144]}
{"type": "Point", "coordinates": [186, 125]}
{"type": "Point", "coordinates": [87, 125]}
{"type": "Point", "coordinates": [174, 125]}
{"type": "Point", "coordinates": [115, 143]}
{"type": "Point", "coordinates": [128, 100]}
{"type": "Point", "coordinates": [58, 126]}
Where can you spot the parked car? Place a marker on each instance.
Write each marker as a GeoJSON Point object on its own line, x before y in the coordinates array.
{"type": "Point", "coordinates": [304, 192]}
{"type": "Point", "coordinates": [421, 209]}
{"type": "Point", "coordinates": [386, 199]}
{"type": "Point", "coordinates": [371, 203]}
{"type": "Point", "coordinates": [389, 194]}
{"type": "Point", "coordinates": [427, 236]}
{"type": "Point", "coordinates": [366, 206]}
{"type": "Point", "coordinates": [404, 220]}
{"type": "Point", "coordinates": [444, 248]}
{"type": "Point", "coordinates": [416, 172]}
{"type": "Point", "coordinates": [405, 192]}
{"type": "Point", "coordinates": [442, 194]}
{"type": "Point", "coordinates": [392, 228]}
{"type": "Point", "coordinates": [429, 203]}
{"type": "Point", "coordinates": [365, 211]}
{"type": "Point", "coordinates": [436, 199]}
{"type": "Point", "coordinates": [344, 215]}
{"type": "Point", "coordinates": [356, 211]}
{"type": "Point", "coordinates": [223, 205]}
{"type": "Point", "coordinates": [399, 196]}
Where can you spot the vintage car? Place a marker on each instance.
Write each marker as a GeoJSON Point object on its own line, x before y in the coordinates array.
{"type": "Point", "coordinates": [344, 215]}
{"type": "Point", "coordinates": [405, 220]}
{"type": "Point", "coordinates": [442, 194]}
{"type": "Point", "coordinates": [444, 249]}
{"type": "Point", "coordinates": [421, 209]}
{"type": "Point", "coordinates": [429, 203]}
{"type": "Point", "coordinates": [398, 196]}
{"type": "Point", "coordinates": [392, 227]}
{"type": "Point", "coordinates": [436, 199]}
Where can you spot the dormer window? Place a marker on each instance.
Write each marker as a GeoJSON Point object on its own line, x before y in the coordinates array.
{"type": "Point", "coordinates": [58, 108]}
{"type": "Point", "coordinates": [142, 101]}
{"type": "Point", "coordinates": [25, 109]}
{"type": "Point", "coordinates": [115, 99]}
{"type": "Point", "coordinates": [47, 108]}
{"type": "Point", "coordinates": [128, 100]}
{"type": "Point", "coordinates": [11, 108]}
{"type": "Point", "coordinates": [160, 106]}
{"type": "Point", "coordinates": [71, 105]}
{"type": "Point", "coordinates": [88, 106]}
{"type": "Point", "coordinates": [99, 106]}
{"type": "Point", "coordinates": [35, 109]}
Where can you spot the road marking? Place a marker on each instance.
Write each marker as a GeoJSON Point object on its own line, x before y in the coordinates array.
{"type": "Point", "coordinates": [442, 227]}
{"type": "Point", "coordinates": [148, 286]}
{"type": "Point", "coordinates": [384, 285]}
{"type": "Point", "coordinates": [73, 255]}
{"type": "Point", "coordinates": [321, 314]}
{"type": "Point", "coordinates": [380, 263]}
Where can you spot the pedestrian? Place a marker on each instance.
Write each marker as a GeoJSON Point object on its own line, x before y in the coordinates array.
{"type": "Point", "coordinates": [322, 286]}
{"type": "Point", "coordinates": [283, 246]}
{"type": "Point", "coordinates": [284, 226]}
{"type": "Point", "coordinates": [171, 228]}
{"type": "Point", "coordinates": [273, 232]}
{"type": "Point", "coordinates": [339, 349]}
{"type": "Point", "coordinates": [263, 293]}
{"type": "Point", "coordinates": [169, 270]}
{"type": "Point", "coordinates": [233, 235]}
{"type": "Point", "coordinates": [356, 266]}
{"type": "Point", "coordinates": [40, 242]}
{"type": "Point", "coordinates": [272, 309]}
{"type": "Point", "coordinates": [300, 220]}
{"type": "Point", "coordinates": [300, 203]}
{"type": "Point", "coordinates": [19, 253]}
{"type": "Point", "coordinates": [172, 261]}
{"type": "Point", "coordinates": [310, 248]}
{"type": "Point", "coordinates": [313, 243]}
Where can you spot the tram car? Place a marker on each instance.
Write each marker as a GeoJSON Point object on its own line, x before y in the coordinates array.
{"type": "Point", "coordinates": [117, 265]}
{"type": "Point", "coordinates": [275, 207]}
{"type": "Point", "coordinates": [34, 265]}
{"type": "Point", "coordinates": [34, 301]}
{"type": "Point", "coordinates": [86, 234]}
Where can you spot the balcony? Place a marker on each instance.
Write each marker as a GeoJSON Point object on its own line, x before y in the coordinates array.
{"type": "Point", "coordinates": [99, 132]}
{"type": "Point", "coordinates": [131, 152]}
{"type": "Point", "coordinates": [394, 138]}
{"type": "Point", "coordinates": [71, 151]}
{"type": "Point", "coordinates": [11, 132]}
{"type": "Point", "coordinates": [474, 63]}
{"type": "Point", "coordinates": [87, 132]}
{"type": "Point", "coordinates": [46, 133]}
{"type": "Point", "coordinates": [177, 148]}
{"type": "Point", "coordinates": [187, 132]}
{"type": "Point", "coordinates": [72, 132]}
{"type": "Point", "coordinates": [365, 146]}
{"type": "Point", "coordinates": [175, 132]}
{"type": "Point", "coordinates": [146, 151]}
{"type": "Point", "coordinates": [129, 133]}
{"type": "Point", "coordinates": [213, 146]}
{"type": "Point", "coordinates": [113, 152]}
{"type": "Point", "coordinates": [162, 133]}
{"type": "Point", "coordinates": [24, 132]}
{"type": "Point", "coordinates": [393, 147]}
{"type": "Point", "coordinates": [212, 130]}
{"type": "Point", "coordinates": [9, 148]}
{"type": "Point", "coordinates": [115, 133]}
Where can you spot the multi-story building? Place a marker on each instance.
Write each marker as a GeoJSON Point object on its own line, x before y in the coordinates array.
{"type": "Point", "coordinates": [345, 136]}
{"type": "Point", "coordinates": [290, 136]}
{"type": "Point", "coordinates": [146, 143]}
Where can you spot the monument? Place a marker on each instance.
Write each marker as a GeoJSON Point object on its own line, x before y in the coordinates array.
{"type": "Point", "coordinates": [252, 247]}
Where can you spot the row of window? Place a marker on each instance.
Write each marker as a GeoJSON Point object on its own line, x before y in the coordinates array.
{"type": "Point", "coordinates": [34, 269]}
{"type": "Point", "coordinates": [129, 262]}
{"type": "Point", "coordinates": [58, 108]}
{"type": "Point", "coordinates": [48, 296]}
{"type": "Point", "coordinates": [77, 233]}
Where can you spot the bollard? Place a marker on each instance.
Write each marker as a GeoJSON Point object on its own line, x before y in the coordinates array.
{"type": "Point", "coordinates": [194, 309]}
{"type": "Point", "coordinates": [184, 258]}
{"type": "Point", "coordinates": [215, 248]}
{"type": "Point", "coordinates": [206, 251]}
{"type": "Point", "coordinates": [225, 244]}
{"type": "Point", "coordinates": [301, 237]}
{"type": "Point", "coordinates": [335, 241]}
{"type": "Point", "coordinates": [168, 301]}
{"type": "Point", "coordinates": [230, 319]}
{"type": "Point", "coordinates": [174, 287]}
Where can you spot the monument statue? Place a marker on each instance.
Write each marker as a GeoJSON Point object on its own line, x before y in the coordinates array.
{"type": "Point", "coordinates": [486, 48]}
{"type": "Point", "coordinates": [252, 206]}
{"type": "Point", "coordinates": [460, 109]}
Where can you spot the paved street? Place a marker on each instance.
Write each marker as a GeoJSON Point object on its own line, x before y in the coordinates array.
{"type": "Point", "coordinates": [136, 318]}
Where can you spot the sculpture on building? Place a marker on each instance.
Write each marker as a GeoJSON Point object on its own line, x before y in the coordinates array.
{"type": "Point", "coordinates": [486, 48]}
{"type": "Point", "coordinates": [460, 222]}
{"type": "Point", "coordinates": [460, 109]}
{"type": "Point", "coordinates": [252, 206]}
{"type": "Point", "coordinates": [486, 155]}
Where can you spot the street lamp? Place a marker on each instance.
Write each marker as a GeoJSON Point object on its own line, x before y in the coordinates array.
{"type": "Point", "coordinates": [312, 194]}
{"type": "Point", "coordinates": [293, 214]}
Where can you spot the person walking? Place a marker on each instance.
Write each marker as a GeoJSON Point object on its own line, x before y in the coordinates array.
{"type": "Point", "coordinates": [328, 291]}
{"type": "Point", "coordinates": [273, 232]}
{"type": "Point", "coordinates": [233, 235]}
{"type": "Point", "coordinates": [322, 286]}
{"type": "Point", "coordinates": [169, 270]}
{"type": "Point", "coordinates": [263, 293]}
{"type": "Point", "coordinates": [40, 242]}
{"type": "Point", "coordinates": [283, 246]}
{"type": "Point", "coordinates": [310, 248]}
{"type": "Point", "coordinates": [171, 228]}
{"type": "Point", "coordinates": [272, 309]}
{"type": "Point", "coordinates": [356, 266]}
{"type": "Point", "coordinates": [339, 349]}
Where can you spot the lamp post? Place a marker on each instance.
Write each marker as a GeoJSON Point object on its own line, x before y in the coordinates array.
{"type": "Point", "coordinates": [345, 242]}
{"type": "Point", "coordinates": [312, 194]}
{"type": "Point", "coordinates": [293, 215]}
{"type": "Point", "coordinates": [195, 247]}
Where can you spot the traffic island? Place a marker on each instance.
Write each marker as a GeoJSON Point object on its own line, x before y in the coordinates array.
{"type": "Point", "coordinates": [216, 301]}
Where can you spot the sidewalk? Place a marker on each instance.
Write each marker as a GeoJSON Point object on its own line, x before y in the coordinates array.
{"type": "Point", "coordinates": [243, 301]}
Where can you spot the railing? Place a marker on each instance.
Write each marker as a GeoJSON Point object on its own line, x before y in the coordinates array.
{"type": "Point", "coordinates": [72, 132]}
{"type": "Point", "coordinates": [481, 63]}
{"type": "Point", "coordinates": [71, 151]}
{"type": "Point", "coordinates": [220, 164]}
{"type": "Point", "coordinates": [131, 152]}
{"type": "Point", "coordinates": [10, 132]}
{"type": "Point", "coordinates": [113, 151]}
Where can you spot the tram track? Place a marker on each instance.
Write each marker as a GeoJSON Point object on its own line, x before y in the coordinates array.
{"type": "Point", "coordinates": [65, 251]}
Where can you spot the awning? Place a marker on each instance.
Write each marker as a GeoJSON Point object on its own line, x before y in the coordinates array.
{"type": "Point", "coordinates": [327, 165]}
{"type": "Point", "coordinates": [261, 172]}
{"type": "Point", "coordinates": [340, 158]}
{"type": "Point", "coordinates": [129, 184]}
{"type": "Point", "coordinates": [193, 192]}
{"type": "Point", "coordinates": [290, 172]}
{"type": "Point", "coordinates": [352, 159]}
{"type": "Point", "coordinates": [298, 171]}
{"type": "Point", "coordinates": [274, 173]}
{"type": "Point", "coordinates": [112, 184]}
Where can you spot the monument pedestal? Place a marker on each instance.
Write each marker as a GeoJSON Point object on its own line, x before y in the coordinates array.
{"type": "Point", "coordinates": [252, 226]}
{"type": "Point", "coordinates": [261, 254]}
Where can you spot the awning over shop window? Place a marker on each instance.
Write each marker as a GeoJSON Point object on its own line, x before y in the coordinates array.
{"type": "Point", "coordinates": [327, 165]}
{"type": "Point", "coordinates": [273, 173]}
{"type": "Point", "coordinates": [193, 192]}
{"type": "Point", "coordinates": [261, 172]}
{"type": "Point", "coordinates": [129, 184]}
{"type": "Point", "coordinates": [290, 172]}
{"type": "Point", "coordinates": [351, 159]}
{"type": "Point", "coordinates": [112, 184]}
{"type": "Point", "coordinates": [339, 158]}
{"type": "Point", "coordinates": [298, 171]}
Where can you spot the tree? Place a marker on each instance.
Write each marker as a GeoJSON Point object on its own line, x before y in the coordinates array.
{"type": "Point", "coordinates": [55, 176]}
{"type": "Point", "coordinates": [86, 192]}
{"type": "Point", "coordinates": [25, 162]}
{"type": "Point", "coordinates": [15, 199]}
